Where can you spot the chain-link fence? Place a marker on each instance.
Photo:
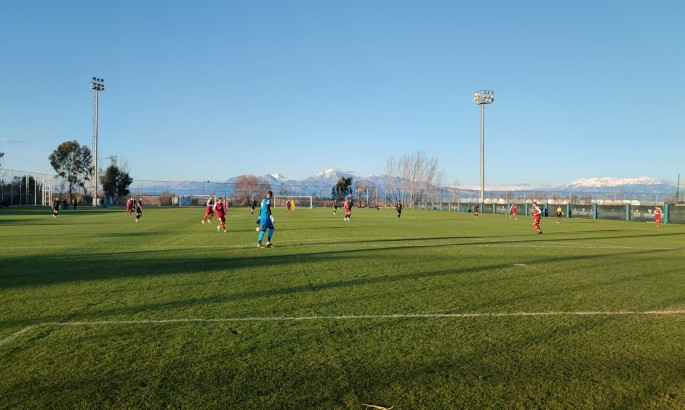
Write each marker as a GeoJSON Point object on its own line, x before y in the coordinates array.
{"type": "Point", "coordinates": [21, 188]}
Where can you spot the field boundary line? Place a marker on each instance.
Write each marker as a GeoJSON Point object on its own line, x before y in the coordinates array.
{"type": "Point", "coordinates": [361, 317]}
{"type": "Point", "coordinates": [675, 312]}
{"type": "Point", "coordinates": [16, 334]}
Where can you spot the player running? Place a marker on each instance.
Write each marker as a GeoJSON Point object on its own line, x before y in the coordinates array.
{"type": "Point", "coordinates": [265, 221]}
{"type": "Point", "coordinates": [348, 210]}
{"type": "Point", "coordinates": [537, 214]}
{"type": "Point", "coordinates": [657, 216]}
{"type": "Point", "coordinates": [253, 204]}
{"type": "Point", "coordinates": [398, 208]}
{"type": "Point", "coordinates": [335, 207]}
{"type": "Point", "coordinates": [139, 208]}
{"type": "Point", "coordinates": [475, 215]}
{"type": "Point", "coordinates": [209, 210]}
{"type": "Point", "coordinates": [559, 214]}
{"type": "Point", "coordinates": [55, 207]}
{"type": "Point", "coordinates": [220, 210]}
{"type": "Point", "coordinates": [129, 206]}
{"type": "Point", "coordinates": [512, 211]}
{"type": "Point", "coordinates": [287, 206]}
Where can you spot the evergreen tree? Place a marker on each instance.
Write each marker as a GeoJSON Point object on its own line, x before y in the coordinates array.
{"type": "Point", "coordinates": [342, 188]}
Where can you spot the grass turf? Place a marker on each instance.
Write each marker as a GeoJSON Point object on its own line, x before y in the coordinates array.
{"type": "Point", "coordinates": [98, 265]}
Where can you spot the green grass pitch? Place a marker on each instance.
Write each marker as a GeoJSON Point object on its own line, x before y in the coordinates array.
{"type": "Point", "coordinates": [98, 311]}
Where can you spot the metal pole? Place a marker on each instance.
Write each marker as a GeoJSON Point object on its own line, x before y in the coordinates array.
{"type": "Point", "coordinates": [95, 147]}
{"type": "Point", "coordinates": [482, 152]}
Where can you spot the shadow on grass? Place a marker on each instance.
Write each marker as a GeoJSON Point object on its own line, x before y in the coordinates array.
{"type": "Point", "coordinates": [88, 269]}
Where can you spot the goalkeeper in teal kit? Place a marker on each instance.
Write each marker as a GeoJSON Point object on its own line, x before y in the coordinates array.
{"type": "Point", "coordinates": [266, 221]}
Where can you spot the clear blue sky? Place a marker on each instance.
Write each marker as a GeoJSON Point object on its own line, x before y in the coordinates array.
{"type": "Point", "coordinates": [209, 90]}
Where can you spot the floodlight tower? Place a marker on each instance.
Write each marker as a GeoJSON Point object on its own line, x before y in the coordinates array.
{"type": "Point", "coordinates": [482, 97]}
{"type": "Point", "coordinates": [97, 85]}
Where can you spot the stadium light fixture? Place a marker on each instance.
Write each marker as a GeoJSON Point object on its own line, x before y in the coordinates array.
{"type": "Point", "coordinates": [97, 85]}
{"type": "Point", "coordinates": [483, 97]}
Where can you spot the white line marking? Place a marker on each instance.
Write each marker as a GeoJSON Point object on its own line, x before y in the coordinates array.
{"type": "Point", "coordinates": [16, 335]}
{"type": "Point", "coordinates": [358, 317]}
{"type": "Point", "coordinates": [346, 317]}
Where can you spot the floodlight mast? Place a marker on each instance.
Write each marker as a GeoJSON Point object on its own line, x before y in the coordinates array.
{"type": "Point", "coordinates": [482, 97]}
{"type": "Point", "coordinates": [97, 85]}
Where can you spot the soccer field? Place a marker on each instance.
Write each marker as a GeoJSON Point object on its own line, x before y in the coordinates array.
{"type": "Point", "coordinates": [436, 310]}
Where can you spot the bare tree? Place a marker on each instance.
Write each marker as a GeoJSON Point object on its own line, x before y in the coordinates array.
{"type": "Point", "coordinates": [263, 188]}
{"type": "Point", "coordinates": [420, 176]}
{"type": "Point", "coordinates": [246, 187]}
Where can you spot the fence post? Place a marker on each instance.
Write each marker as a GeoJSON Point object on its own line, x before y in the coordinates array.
{"type": "Point", "coordinates": [667, 208]}
{"type": "Point", "coordinates": [627, 212]}
{"type": "Point", "coordinates": [594, 211]}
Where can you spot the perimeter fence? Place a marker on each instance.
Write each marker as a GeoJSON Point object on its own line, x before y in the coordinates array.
{"type": "Point", "coordinates": [628, 211]}
{"type": "Point", "coordinates": [23, 188]}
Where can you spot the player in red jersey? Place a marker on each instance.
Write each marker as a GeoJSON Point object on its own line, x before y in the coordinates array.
{"type": "Point", "coordinates": [220, 209]}
{"type": "Point", "coordinates": [657, 216]}
{"type": "Point", "coordinates": [513, 211]}
{"type": "Point", "coordinates": [537, 214]}
{"type": "Point", "coordinates": [209, 210]}
{"type": "Point", "coordinates": [129, 206]}
{"type": "Point", "coordinates": [287, 206]}
{"type": "Point", "coordinates": [348, 210]}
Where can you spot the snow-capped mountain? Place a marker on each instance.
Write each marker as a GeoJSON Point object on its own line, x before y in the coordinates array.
{"type": "Point", "coordinates": [600, 182]}
{"type": "Point", "coordinates": [608, 184]}
{"type": "Point", "coordinates": [322, 182]}
{"type": "Point", "coordinates": [329, 176]}
{"type": "Point", "coordinates": [275, 178]}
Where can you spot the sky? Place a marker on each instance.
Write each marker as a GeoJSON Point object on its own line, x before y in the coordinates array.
{"type": "Point", "coordinates": [212, 89]}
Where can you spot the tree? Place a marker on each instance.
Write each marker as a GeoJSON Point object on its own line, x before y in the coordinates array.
{"type": "Point", "coordinates": [263, 188]}
{"type": "Point", "coordinates": [419, 175]}
{"type": "Point", "coordinates": [342, 188]}
{"type": "Point", "coordinates": [115, 182]}
{"type": "Point", "coordinates": [246, 187]}
{"type": "Point", "coordinates": [72, 162]}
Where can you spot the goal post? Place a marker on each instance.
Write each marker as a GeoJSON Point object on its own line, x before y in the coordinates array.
{"type": "Point", "coordinates": [300, 200]}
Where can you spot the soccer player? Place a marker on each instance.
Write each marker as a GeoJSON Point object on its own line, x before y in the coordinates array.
{"type": "Point", "coordinates": [348, 210]}
{"type": "Point", "coordinates": [209, 210]}
{"type": "Point", "coordinates": [253, 204]}
{"type": "Point", "coordinates": [55, 207]}
{"type": "Point", "coordinates": [537, 214]}
{"type": "Point", "coordinates": [265, 221]}
{"type": "Point", "coordinates": [559, 214]}
{"type": "Point", "coordinates": [657, 216]}
{"type": "Point", "coordinates": [139, 208]}
{"type": "Point", "coordinates": [399, 209]}
{"type": "Point", "coordinates": [129, 206]}
{"type": "Point", "coordinates": [287, 206]}
{"type": "Point", "coordinates": [335, 207]}
{"type": "Point", "coordinates": [512, 211]}
{"type": "Point", "coordinates": [220, 209]}
{"type": "Point", "coordinates": [475, 215]}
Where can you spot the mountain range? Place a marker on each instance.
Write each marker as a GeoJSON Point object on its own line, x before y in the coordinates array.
{"type": "Point", "coordinates": [329, 177]}
{"type": "Point", "coordinates": [321, 183]}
